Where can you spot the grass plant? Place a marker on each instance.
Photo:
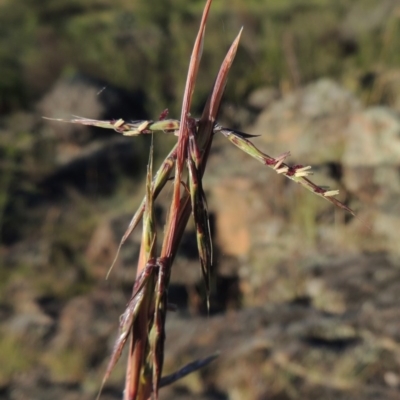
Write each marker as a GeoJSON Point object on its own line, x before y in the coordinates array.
{"type": "Point", "coordinates": [143, 322]}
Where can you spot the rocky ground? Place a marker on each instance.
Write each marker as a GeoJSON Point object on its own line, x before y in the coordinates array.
{"type": "Point", "coordinates": [305, 299]}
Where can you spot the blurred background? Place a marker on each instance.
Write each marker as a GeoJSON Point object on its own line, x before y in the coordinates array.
{"type": "Point", "coordinates": [305, 299]}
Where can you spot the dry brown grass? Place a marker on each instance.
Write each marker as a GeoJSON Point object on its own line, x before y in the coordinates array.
{"type": "Point", "coordinates": [143, 322]}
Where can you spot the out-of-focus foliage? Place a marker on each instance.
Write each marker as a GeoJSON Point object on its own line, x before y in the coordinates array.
{"type": "Point", "coordinates": [145, 44]}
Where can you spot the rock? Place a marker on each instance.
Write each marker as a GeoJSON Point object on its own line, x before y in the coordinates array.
{"type": "Point", "coordinates": [233, 217]}
{"type": "Point", "coordinates": [370, 170]}
{"type": "Point", "coordinates": [372, 139]}
{"type": "Point", "coordinates": [80, 341]}
{"type": "Point", "coordinates": [103, 246]}
{"type": "Point", "coordinates": [306, 304]}
{"type": "Point", "coordinates": [261, 98]}
{"type": "Point", "coordinates": [281, 339]}
{"type": "Point", "coordinates": [32, 327]}
{"type": "Point", "coordinates": [88, 97]}
{"type": "Point", "coordinates": [85, 157]}
{"type": "Point", "coordinates": [309, 122]}
{"type": "Point", "coordinates": [257, 210]}
{"type": "Point", "coordinates": [71, 97]}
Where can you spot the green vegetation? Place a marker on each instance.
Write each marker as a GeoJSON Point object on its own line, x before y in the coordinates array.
{"type": "Point", "coordinates": [143, 45]}
{"type": "Point", "coordinates": [16, 356]}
